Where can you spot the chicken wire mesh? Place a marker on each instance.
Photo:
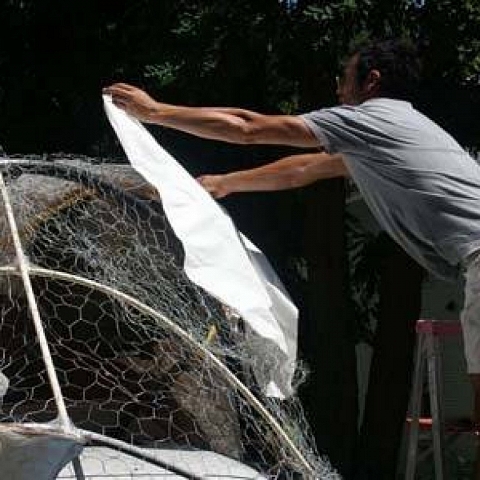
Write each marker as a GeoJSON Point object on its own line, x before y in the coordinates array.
{"type": "Point", "coordinates": [144, 358]}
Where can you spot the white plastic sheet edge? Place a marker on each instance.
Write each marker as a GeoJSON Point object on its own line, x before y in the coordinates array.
{"type": "Point", "coordinates": [217, 257]}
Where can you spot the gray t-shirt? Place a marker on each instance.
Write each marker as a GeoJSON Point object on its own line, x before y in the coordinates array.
{"type": "Point", "coordinates": [422, 187]}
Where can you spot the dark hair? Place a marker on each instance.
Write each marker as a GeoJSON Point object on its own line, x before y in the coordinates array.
{"type": "Point", "coordinates": [397, 61]}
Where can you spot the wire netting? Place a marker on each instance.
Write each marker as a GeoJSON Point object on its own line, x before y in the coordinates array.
{"type": "Point", "coordinates": [102, 257]}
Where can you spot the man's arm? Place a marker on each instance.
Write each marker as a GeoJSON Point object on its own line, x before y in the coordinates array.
{"type": "Point", "coordinates": [227, 124]}
{"type": "Point", "coordinates": [289, 172]}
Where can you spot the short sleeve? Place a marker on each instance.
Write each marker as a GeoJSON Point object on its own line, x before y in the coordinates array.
{"type": "Point", "coordinates": [312, 123]}
{"type": "Point", "coordinates": [335, 128]}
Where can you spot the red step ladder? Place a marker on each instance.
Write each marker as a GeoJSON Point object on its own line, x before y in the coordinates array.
{"type": "Point", "coordinates": [428, 358]}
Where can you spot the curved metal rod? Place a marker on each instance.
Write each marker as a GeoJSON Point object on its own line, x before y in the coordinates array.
{"type": "Point", "coordinates": [189, 339]}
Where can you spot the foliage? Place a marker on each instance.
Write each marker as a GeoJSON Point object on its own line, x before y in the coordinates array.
{"type": "Point", "coordinates": [55, 57]}
{"type": "Point", "coordinates": [363, 260]}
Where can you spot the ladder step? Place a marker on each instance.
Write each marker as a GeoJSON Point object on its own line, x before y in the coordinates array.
{"type": "Point", "coordinates": [439, 328]}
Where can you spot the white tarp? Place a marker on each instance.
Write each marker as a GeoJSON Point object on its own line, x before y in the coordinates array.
{"type": "Point", "coordinates": [217, 257]}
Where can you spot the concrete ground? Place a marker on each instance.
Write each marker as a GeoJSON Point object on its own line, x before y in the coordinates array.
{"type": "Point", "coordinates": [102, 463]}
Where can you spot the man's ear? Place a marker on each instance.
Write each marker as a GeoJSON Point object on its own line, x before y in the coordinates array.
{"type": "Point", "coordinates": [372, 82]}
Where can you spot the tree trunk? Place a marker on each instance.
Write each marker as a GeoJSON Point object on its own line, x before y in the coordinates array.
{"type": "Point", "coordinates": [326, 332]}
{"type": "Point", "coordinates": [392, 363]}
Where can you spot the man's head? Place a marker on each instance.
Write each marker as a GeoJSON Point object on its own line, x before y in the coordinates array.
{"type": "Point", "coordinates": [388, 68]}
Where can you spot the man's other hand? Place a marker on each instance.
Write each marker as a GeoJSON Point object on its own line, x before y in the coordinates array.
{"type": "Point", "coordinates": [215, 185]}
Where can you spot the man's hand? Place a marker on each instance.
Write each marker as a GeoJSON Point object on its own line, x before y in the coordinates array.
{"type": "Point", "coordinates": [215, 185]}
{"type": "Point", "coordinates": [134, 101]}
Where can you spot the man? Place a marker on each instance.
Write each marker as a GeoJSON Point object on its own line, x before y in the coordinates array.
{"type": "Point", "coordinates": [422, 187]}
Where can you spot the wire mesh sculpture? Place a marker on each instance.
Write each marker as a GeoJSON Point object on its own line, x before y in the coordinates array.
{"type": "Point", "coordinates": [104, 341]}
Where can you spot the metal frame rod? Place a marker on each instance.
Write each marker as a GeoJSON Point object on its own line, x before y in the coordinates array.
{"type": "Point", "coordinates": [22, 267]}
{"type": "Point", "coordinates": [190, 340]}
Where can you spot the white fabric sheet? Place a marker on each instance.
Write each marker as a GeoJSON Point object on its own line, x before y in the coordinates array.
{"type": "Point", "coordinates": [217, 257]}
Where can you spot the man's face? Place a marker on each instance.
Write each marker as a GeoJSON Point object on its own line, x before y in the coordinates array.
{"type": "Point", "coordinates": [348, 91]}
